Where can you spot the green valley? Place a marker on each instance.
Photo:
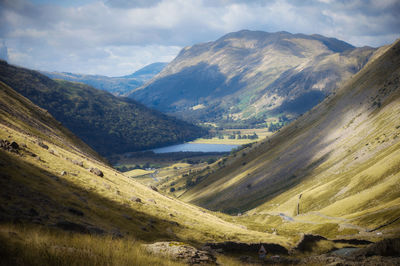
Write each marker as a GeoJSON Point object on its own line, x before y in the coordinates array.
{"type": "Point", "coordinates": [107, 123]}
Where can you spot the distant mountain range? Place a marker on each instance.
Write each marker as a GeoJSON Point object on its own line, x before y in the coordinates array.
{"type": "Point", "coordinates": [115, 85]}
{"type": "Point", "coordinates": [107, 123]}
{"type": "Point", "coordinates": [245, 77]}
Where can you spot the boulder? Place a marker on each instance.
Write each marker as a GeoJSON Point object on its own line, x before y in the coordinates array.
{"type": "Point", "coordinates": [97, 172]}
{"type": "Point", "coordinates": [154, 188]}
{"type": "Point", "coordinates": [41, 144]}
{"type": "Point", "coordinates": [181, 251]}
{"type": "Point", "coordinates": [14, 145]}
{"type": "Point", "coordinates": [136, 199]}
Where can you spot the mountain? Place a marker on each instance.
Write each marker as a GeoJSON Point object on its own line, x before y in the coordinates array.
{"type": "Point", "coordinates": [336, 165]}
{"type": "Point", "coordinates": [148, 72]}
{"type": "Point", "coordinates": [62, 204]}
{"type": "Point", "coordinates": [115, 85]}
{"type": "Point", "coordinates": [107, 123]}
{"type": "Point", "coordinates": [247, 76]}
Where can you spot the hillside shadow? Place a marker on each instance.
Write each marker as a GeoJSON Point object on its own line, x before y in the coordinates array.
{"type": "Point", "coordinates": [31, 194]}
{"type": "Point", "coordinates": [183, 89]}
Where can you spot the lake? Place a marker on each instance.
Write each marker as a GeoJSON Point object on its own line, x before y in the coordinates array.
{"type": "Point", "coordinates": [196, 147]}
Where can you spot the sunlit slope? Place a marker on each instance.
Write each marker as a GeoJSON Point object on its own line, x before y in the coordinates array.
{"type": "Point", "coordinates": [48, 182]}
{"type": "Point", "coordinates": [340, 159]}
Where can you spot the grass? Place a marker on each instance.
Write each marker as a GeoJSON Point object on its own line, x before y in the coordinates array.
{"type": "Point", "coordinates": [33, 245]}
{"type": "Point", "coordinates": [138, 172]}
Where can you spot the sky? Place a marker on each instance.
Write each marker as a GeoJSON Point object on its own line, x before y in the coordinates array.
{"type": "Point", "coordinates": [118, 37]}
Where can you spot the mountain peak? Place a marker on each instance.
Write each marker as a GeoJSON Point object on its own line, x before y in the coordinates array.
{"type": "Point", "coordinates": [333, 44]}
{"type": "Point", "coordinates": [248, 74]}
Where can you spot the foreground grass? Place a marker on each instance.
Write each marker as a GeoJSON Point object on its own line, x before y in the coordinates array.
{"type": "Point", "coordinates": [28, 245]}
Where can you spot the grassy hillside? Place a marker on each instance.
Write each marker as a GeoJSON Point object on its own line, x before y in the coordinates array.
{"type": "Point", "coordinates": [46, 187]}
{"type": "Point", "coordinates": [114, 85]}
{"type": "Point", "coordinates": [245, 77]}
{"type": "Point", "coordinates": [107, 123]}
{"type": "Point", "coordinates": [334, 168]}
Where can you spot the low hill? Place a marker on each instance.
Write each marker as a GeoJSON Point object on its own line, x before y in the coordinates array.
{"type": "Point", "coordinates": [114, 85]}
{"type": "Point", "coordinates": [51, 183]}
{"type": "Point", "coordinates": [338, 164]}
{"type": "Point", "coordinates": [107, 123]}
{"type": "Point", "coordinates": [245, 77]}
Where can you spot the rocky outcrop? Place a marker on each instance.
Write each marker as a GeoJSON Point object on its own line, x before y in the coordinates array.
{"type": "Point", "coordinates": [9, 146]}
{"type": "Point", "coordinates": [181, 251]}
{"type": "Point", "coordinates": [97, 172]}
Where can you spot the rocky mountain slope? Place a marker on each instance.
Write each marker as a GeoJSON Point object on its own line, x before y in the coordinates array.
{"type": "Point", "coordinates": [114, 85]}
{"type": "Point", "coordinates": [107, 123]}
{"type": "Point", "coordinates": [252, 75]}
{"type": "Point", "coordinates": [337, 165]}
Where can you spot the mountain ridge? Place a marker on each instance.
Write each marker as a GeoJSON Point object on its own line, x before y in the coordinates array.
{"type": "Point", "coordinates": [232, 76]}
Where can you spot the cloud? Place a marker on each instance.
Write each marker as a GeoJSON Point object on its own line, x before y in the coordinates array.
{"type": "Point", "coordinates": [116, 37]}
{"type": "Point", "coordinates": [132, 3]}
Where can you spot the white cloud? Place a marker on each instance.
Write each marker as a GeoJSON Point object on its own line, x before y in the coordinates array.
{"type": "Point", "coordinates": [116, 37]}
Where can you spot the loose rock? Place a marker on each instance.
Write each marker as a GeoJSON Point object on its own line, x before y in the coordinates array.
{"type": "Point", "coordinates": [97, 172]}
{"type": "Point", "coordinates": [41, 144]}
{"type": "Point", "coordinates": [136, 199]}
